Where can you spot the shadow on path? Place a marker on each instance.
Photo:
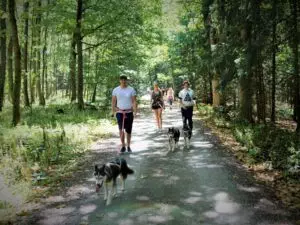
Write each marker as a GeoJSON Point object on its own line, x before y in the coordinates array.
{"type": "Point", "coordinates": [203, 185]}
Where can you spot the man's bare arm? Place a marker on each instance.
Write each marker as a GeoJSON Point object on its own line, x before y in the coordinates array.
{"type": "Point", "coordinates": [113, 105]}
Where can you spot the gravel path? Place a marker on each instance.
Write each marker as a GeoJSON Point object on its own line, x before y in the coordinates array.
{"type": "Point", "coordinates": [204, 185]}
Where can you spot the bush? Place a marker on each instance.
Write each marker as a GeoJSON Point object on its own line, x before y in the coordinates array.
{"type": "Point", "coordinates": [264, 142]}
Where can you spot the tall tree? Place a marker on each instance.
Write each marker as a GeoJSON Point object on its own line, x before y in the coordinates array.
{"type": "Point", "coordinates": [39, 57]}
{"type": "Point", "coordinates": [80, 54]}
{"type": "Point", "coordinates": [2, 52]}
{"type": "Point", "coordinates": [72, 67]}
{"type": "Point", "coordinates": [295, 50]}
{"type": "Point", "coordinates": [274, 50]}
{"type": "Point", "coordinates": [25, 53]}
{"type": "Point", "coordinates": [17, 64]}
{"type": "Point", "coordinates": [10, 68]}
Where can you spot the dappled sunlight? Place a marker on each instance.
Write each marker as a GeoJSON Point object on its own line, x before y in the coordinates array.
{"type": "Point", "coordinates": [187, 213]}
{"type": "Point", "coordinates": [49, 220]}
{"type": "Point", "coordinates": [224, 204]}
{"type": "Point", "coordinates": [248, 189]}
{"type": "Point", "coordinates": [195, 193]}
{"type": "Point", "coordinates": [192, 200]}
{"type": "Point", "coordinates": [142, 198]}
{"type": "Point", "coordinates": [86, 209]}
{"type": "Point", "coordinates": [55, 199]}
{"type": "Point", "coordinates": [171, 180]}
{"type": "Point", "coordinates": [126, 222]}
{"type": "Point", "coordinates": [202, 144]}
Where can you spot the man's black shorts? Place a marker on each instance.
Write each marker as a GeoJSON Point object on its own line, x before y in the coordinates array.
{"type": "Point", "coordinates": [127, 123]}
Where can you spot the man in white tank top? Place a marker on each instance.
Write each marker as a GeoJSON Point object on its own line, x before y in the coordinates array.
{"type": "Point", "coordinates": [124, 105]}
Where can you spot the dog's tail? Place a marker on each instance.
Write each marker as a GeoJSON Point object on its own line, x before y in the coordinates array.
{"type": "Point", "coordinates": [124, 167]}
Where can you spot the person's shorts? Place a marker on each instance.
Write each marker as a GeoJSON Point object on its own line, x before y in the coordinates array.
{"type": "Point", "coordinates": [127, 123]}
{"type": "Point", "coordinates": [170, 101]}
{"type": "Point", "coordinates": [155, 107]}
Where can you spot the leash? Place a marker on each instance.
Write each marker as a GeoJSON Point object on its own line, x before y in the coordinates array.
{"type": "Point", "coordinates": [123, 119]}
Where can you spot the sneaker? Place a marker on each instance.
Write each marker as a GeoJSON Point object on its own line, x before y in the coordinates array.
{"type": "Point", "coordinates": [123, 149]}
{"type": "Point", "coordinates": [129, 149]}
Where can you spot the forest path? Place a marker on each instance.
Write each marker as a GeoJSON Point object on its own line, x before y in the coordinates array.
{"type": "Point", "coordinates": [204, 185]}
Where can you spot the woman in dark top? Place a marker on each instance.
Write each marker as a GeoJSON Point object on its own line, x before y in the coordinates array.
{"type": "Point", "coordinates": [157, 105]}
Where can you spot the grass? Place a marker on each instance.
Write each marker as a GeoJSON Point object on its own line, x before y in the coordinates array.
{"type": "Point", "coordinates": [47, 145]}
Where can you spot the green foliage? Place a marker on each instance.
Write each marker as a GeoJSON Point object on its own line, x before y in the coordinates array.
{"type": "Point", "coordinates": [48, 139]}
{"type": "Point", "coordinates": [263, 142]}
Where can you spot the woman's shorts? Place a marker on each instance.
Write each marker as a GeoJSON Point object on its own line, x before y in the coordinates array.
{"type": "Point", "coordinates": [155, 107]}
{"type": "Point", "coordinates": [127, 123]}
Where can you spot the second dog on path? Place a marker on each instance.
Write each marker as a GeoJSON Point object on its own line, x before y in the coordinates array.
{"type": "Point", "coordinates": [173, 134]}
{"type": "Point", "coordinates": [187, 134]}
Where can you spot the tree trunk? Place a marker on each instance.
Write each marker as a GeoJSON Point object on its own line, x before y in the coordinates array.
{"type": "Point", "coordinates": [38, 66]}
{"type": "Point", "coordinates": [17, 51]}
{"type": "Point", "coordinates": [274, 50]}
{"type": "Point", "coordinates": [44, 58]}
{"type": "Point", "coordinates": [2, 54]}
{"type": "Point", "coordinates": [260, 92]}
{"type": "Point", "coordinates": [216, 95]}
{"type": "Point", "coordinates": [246, 79]}
{"type": "Point", "coordinates": [72, 66]}
{"type": "Point", "coordinates": [32, 66]}
{"type": "Point", "coordinates": [10, 69]}
{"type": "Point", "coordinates": [25, 81]}
{"type": "Point", "coordinates": [295, 49]}
{"type": "Point", "coordinates": [94, 93]}
{"type": "Point", "coordinates": [80, 55]}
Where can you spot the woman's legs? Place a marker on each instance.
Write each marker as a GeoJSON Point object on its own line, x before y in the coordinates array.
{"type": "Point", "coordinates": [156, 116]}
{"type": "Point", "coordinates": [159, 112]}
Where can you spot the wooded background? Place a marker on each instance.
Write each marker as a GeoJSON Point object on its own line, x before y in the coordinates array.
{"type": "Point", "coordinates": [242, 55]}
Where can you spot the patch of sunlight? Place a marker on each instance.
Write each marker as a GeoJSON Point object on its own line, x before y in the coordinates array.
{"type": "Point", "coordinates": [55, 199]}
{"type": "Point", "coordinates": [112, 215]}
{"type": "Point", "coordinates": [142, 198]}
{"type": "Point", "coordinates": [126, 222]}
{"type": "Point", "coordinates": [159, 218]}
{"type": "Point", "coordinates": [202, 144]}
{"type": "Point", "coordinates": [211, 214]}
{"type": "Point", "coordinates": [195, 193]}
{"type": "Point", "coordinates": [227, 207]}
{"type": "Point", "coordinates": [248, 189]}
{"type": "Point", "coordinates": [187, 213]}
{"type": "Point", "coordinates": [192, 200]}
{"type": "Point", "coordinates": [224, 204]}
{"type": "Point", "coordinates": [171, 180]}
{"type": "Point", "coordinates": [85, 209]}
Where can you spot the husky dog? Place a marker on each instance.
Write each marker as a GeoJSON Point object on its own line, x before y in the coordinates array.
{"type": "Point", "coordinates": [173, 134]}
{"type": "Point", "coordinates": [187, 134]}
{"type": "Point", "coordinates": [109, 172]}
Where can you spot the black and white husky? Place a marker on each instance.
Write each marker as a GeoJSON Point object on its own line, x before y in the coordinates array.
{"type": "Point", "coordinates": [109, 172]}
{"type": "Point", "coordinates": [187, 134]}
{"type": "Point", "coordinates": [173, 134]}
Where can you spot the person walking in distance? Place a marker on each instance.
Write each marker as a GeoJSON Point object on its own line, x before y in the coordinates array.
{"type": "Point", "coordinates": [124, 107]}
{"type": "Point", "coordinates": [170, 96]}
{"type": "Point", "coordinates": [186, 96]}
{"type": "Point", "coordinates": [157, 105]}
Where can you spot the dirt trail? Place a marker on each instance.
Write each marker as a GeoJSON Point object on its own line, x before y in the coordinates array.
{"type": "Point", "coordinates": [204, 185]}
